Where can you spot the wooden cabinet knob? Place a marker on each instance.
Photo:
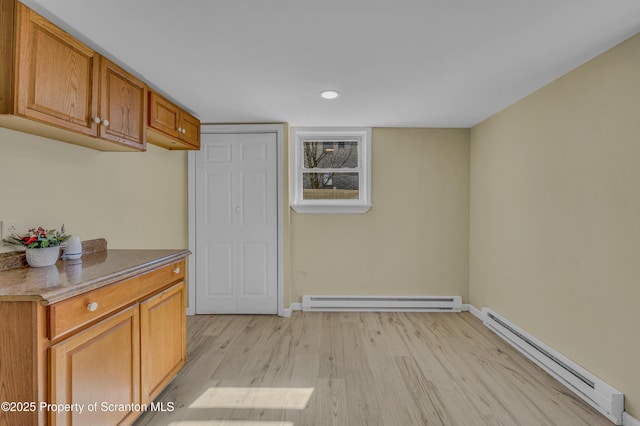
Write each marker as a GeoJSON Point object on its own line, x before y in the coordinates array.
{"type": "Point", "coordinates": [176, 271]}
{"type": "Point", "coordinates": [92, 306]}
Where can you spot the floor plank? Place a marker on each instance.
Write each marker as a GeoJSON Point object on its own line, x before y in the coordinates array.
{"type": "Point", "coordinates": [360, 369]}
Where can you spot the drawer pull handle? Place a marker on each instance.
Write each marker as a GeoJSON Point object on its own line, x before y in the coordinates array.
{"type": "Point", "coordinates": [92, 306]}
{"type": "Point", "coordinates": [177, 270]}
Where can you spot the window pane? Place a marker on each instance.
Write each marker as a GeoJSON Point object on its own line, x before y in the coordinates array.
{"type": "Point", "coordinates": [330, 154]}
{"type": "Point", "coordinates": [330, 186]}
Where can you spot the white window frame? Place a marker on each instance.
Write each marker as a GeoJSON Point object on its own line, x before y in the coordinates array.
{"type": "Point", "coordinates": [301, 134]}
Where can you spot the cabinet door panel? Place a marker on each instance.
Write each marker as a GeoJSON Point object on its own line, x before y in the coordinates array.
{"type": "Point", "coordinates": [191, 126]}
{"type": "Point", "coordinates": [163, 339]}
{"type": "Point", "coordinates": [163, 115]}
{"type": "Point", "coordinates": [99, 365]}
{"type": "Point", "coordinates": [57, 76]}
{"type": "Point", "coordinates": [122, 103]}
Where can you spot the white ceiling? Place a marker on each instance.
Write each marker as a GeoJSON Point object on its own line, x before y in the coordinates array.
{"type": "Point", "coordinates": [400, 63]}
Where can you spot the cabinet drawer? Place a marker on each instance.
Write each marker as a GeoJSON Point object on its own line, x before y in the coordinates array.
{"type": "Point", "coordinates": [151, 282]}
{"type": "Point", "coordinates": [79, 311]}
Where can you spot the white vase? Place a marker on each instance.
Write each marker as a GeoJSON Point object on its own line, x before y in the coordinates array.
{"type": "Point", "coordinates": [39, 257]}
{"type": "Point", "coordinates": [73, 248]}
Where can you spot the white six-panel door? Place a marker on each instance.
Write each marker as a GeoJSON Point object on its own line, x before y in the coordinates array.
{"type": "Point", "coordinates": [236, 231]}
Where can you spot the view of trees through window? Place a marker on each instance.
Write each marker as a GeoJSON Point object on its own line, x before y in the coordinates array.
{"type": "Point", "coordinates": [329, 170]}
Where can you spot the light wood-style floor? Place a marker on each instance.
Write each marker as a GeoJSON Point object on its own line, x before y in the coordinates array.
{"type": "Point", "coordinates": [360, 369]}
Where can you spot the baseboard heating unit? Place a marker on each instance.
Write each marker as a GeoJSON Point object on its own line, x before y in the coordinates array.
{"type": "Point", "coordinates": [601, 396]}
{"type": "Point", "coordinates": [382, 303]}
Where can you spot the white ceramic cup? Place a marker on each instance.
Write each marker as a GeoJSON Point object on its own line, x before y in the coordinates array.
{"type": "Point", "coordinates": [73, 249]}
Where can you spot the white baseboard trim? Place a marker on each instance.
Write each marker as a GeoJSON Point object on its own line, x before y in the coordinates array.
{"type": "Point", "coordinates": [360, 303]}
{"type": "Point", "coordinates": [628, 420]}
{"type": "Point", "coordinates": [474, 311]}
{"type": "Point", "coordinates": [286, 313]}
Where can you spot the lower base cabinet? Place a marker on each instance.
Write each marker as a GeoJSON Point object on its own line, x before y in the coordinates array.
{"type": "Point", "coordinates": [109, 372]}
{"type": "Point", "coordinates": [96, 370]}
{"type": "Point", "coordinates": [97, 358]}
{"type": "Point", "coordinates": [163, 340]}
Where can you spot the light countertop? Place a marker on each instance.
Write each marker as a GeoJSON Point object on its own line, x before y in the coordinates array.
{"type": "Point", "coordinates": [68, 278]}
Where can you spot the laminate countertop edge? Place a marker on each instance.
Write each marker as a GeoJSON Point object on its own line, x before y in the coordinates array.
{"type": "Point", "coordinates": [68, 278]}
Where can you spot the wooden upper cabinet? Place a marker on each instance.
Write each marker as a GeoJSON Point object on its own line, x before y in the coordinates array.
{"type": "Point", "coordinates": [163, 115]}
{"type": "Point", "coordinates": [53, 85]}
{"type": "Point", "coordinates": [190, 129]}
{"type": "Point", "coordinates": [123, 111]}
{"type": "Point", "coordinates": [57, 77]}
{"type": "Point", "coordinates": [170, 126]}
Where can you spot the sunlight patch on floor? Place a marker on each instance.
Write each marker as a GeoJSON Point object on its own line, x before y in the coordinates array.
{"type": "Point", "coordinates": [228, 423]}
{"type": "Point", "coordinates": [268, 398]}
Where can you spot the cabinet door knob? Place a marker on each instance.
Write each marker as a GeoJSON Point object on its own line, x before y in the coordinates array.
{"type": "Point", "coordinates": [105, 122]}
{"type": "Point", "coordinates": [97, 120]}
{"type": "Point", "coordinates": [177, 270]}
{"type": "Point", "coordinates": [92, 306]}
{"type": "Point", "coordinates": [179, 129]}
{"type": "Point", "coordinates": [184, 131]}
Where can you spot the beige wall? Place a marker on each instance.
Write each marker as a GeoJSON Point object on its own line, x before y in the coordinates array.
{"type": "Point", "coordinates": [555, 216]}
{"type": "Point", "coordinates": [413, 241]}
{"type": "Point", "coordinates": [286, 221]}
{"type": "Point", "coordinates": [134, 200]}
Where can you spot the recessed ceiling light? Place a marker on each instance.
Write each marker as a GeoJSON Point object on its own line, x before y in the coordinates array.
{"type": "Point", "coordinates": [329, 94]}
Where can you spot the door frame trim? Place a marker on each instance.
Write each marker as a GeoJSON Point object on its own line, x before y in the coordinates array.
{"type": "Point", "coordinates": [207, 128]}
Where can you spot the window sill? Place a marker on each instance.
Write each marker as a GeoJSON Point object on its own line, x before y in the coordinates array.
{"type": "Point", "coordinates": [325, 209]}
